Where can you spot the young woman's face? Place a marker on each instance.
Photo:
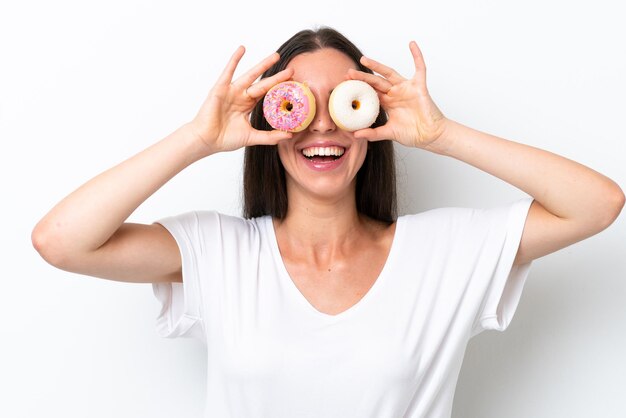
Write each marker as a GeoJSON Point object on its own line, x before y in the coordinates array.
{"type": "Point", "coordinates": [329, 176]}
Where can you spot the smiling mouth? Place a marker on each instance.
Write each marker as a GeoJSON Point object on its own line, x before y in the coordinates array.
{"type": "Point", "coordinates": [323, 154]}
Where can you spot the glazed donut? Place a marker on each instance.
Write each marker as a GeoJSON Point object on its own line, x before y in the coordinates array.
{"type": "Point", "coordinates": [353, 105]}
{"type": "Point", "coordinates": [289, 106]}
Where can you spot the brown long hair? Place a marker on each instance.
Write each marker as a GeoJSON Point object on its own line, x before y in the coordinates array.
{"type": "Point", "coordinates": [264, 184]}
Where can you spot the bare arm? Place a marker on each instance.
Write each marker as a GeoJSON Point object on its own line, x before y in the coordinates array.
{"type": "Point", "coordinates": [85, 232]}
{"type": "Point", "coordinates": [572, 202]}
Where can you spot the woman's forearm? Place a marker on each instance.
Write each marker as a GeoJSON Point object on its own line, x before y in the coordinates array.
{"type": "Point", "coordinates": [85, 232]}
{"type": "Point", "coordinates": [565, 188]}
{"type": "Point", "coordinates": [88, 217]}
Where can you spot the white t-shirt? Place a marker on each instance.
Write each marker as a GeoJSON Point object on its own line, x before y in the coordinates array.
{"type": "Point", "coordinates": [395, 353]}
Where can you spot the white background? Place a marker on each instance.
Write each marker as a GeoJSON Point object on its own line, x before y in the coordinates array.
{"type": "Point", "coordinates": [85, 85]}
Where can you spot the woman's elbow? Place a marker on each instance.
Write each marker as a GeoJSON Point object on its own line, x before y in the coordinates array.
{"type": "Point", "coordinates": [613, 205]}
{"type": "Point", "coordinates": [48, 246]}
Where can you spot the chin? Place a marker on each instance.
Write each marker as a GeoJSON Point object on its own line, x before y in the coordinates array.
{"type": "Point", "coordinates": [328, 189]}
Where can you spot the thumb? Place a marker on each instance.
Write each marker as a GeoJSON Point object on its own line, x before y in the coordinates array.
{"type": "Point", "coordinates": [269, 137]}
{"type": "Point", "coordinates": [374, 134]}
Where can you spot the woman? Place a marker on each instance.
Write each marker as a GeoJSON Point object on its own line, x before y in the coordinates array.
{"type": "Point", "coordinates": [322, 303]}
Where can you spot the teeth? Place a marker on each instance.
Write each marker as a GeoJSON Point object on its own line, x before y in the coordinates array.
{"type": "Point", "coordinates": [323, 151]}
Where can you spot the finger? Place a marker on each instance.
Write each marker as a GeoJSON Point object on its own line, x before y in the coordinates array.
{"type": "Point", "coordinates": [381, 84]}
{"type": "Point", "coordinates": [256, 71]}
{"type": "Point", "coordinates": [418, 60]}
{"type": "Point", "coordinates": [227, 74]}
{"type": "Point", "coordinates": [374, 134]}
{"type": "Point", "coordinates": [258, 90]}
{"type": "Point", "coordinates": [269, 137]}
{"type": "Point", "coordinates": [387, 72]}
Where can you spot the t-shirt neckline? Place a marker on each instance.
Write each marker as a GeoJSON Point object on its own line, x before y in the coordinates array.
{"type": "Point", "coordinates": [361, 303]}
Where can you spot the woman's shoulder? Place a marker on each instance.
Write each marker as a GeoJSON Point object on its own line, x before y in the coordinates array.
{"type": "Point", "coordinates": [215, 221]}
{"type": "Point", "coordinates": [456, 218]}
{"type": "Point", "coordinates": [440, 214]}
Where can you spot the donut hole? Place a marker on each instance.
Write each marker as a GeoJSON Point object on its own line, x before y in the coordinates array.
{"type": "Point", "coordinates": [356, 104]}
{"type": "Point", "coordinates": [286, 106]}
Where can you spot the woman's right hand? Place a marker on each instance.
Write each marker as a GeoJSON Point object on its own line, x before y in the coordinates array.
{"type": "Point", "coordinates": [223, 121]}
{"type": "Point", "coordinates": [87, 232]}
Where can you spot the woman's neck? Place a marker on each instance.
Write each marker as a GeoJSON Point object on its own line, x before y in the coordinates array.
{"type": "Point", "coordinates": [322, 228]}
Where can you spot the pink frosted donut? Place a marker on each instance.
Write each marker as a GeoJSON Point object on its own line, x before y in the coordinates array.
{"type": "Point", "coordinates": [289, 106]}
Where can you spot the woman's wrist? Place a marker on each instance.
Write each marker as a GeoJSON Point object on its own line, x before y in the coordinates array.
{"type": "Point", "coordinates": [197, 145]}
{"type": "Point", "coordinates": [444, 142]}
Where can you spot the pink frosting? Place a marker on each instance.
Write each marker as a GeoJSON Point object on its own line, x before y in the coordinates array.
{"type": "Point", "coordinates": [273, 108]}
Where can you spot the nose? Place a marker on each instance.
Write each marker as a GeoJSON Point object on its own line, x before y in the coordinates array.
{"type": "Point", "coordinates": [322, 122]}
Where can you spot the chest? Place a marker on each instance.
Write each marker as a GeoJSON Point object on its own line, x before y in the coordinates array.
{"type": "Point", "coordinates": [337, 287]}
{"type": "Point", "coordinates": [266, 343]}
{"type": "Point", "coordinates": [334, 281]}
{"type": "Point", "coordinates": [353, 358]}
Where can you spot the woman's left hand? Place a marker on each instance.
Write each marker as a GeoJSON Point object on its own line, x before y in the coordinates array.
{"type": "Point", "coordinates": [414, 119]}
